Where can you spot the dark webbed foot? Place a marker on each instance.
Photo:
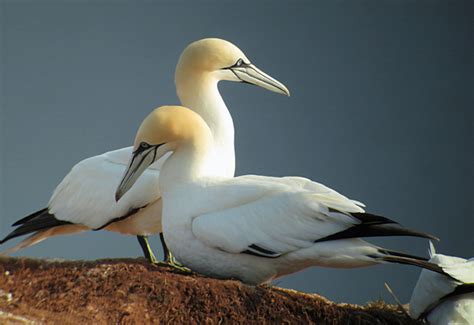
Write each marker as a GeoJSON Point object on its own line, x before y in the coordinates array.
{"type": "Point", "coordinates": [169, 258]}
{"type": "Point", "coordinates": [147, 252]}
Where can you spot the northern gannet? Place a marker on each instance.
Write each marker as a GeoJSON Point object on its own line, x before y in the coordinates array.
{"type": "Point", "coordinates": [84, 200]}
{"type": "Point", "coordinates": [252, 228]}
{"type": "Point", "coordinates": [442, 299]}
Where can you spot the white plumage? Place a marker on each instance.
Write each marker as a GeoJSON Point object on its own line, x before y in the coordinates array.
{"type": "Point", "coordinates": [253, 228]}
{"type": "Point", "coordinates": [441, 299]}
{"type": "Point", "coordinates": [85, 195]}
{"type": "Point", "coordinates": [281, 215]}
{"type": "Point", "coordinates": [85, 198]}
{"type": "Point", "coordinates": [226, 222]}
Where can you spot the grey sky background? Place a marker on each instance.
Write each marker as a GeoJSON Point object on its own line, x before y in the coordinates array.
{"type": "Point", "coordinates": [381, 109]}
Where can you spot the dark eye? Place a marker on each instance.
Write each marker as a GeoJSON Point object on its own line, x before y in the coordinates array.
{"type": "Point", "coordinates": [239, 63]}
{"type": "Point", "coordinates": [144, 145]}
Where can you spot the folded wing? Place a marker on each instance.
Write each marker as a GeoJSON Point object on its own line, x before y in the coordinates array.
{"type": "Point", "coordinates": [86, 195]}
{"type": "Point", "coordinates": [85, 199]}
{"type": "Point", "coordinates": [289, 214]}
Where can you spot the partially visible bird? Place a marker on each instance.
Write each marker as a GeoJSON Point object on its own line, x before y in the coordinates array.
{"type": "Point", "coordinates": [252, 228]}
{"type": "Point", "coordinates": [445, 299]}
{"type": "Point", "coordinates": [84, 200]}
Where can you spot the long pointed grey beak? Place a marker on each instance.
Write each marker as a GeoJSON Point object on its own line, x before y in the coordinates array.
{"type": "Point", "coordinates": [141, 159]}
{"type": "Point", "coordinates": [251, 74]}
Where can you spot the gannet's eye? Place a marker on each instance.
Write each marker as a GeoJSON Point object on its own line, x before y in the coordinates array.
{"type": "Point", "coordinates": [238, 64]}
{"type": "Point", "coordinates": [142, 147]}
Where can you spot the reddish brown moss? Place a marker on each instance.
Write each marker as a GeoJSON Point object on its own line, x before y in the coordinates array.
{"type": "Point", "coordinates": [130, 291]}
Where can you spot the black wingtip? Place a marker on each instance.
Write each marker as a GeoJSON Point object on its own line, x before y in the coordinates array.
{"type": "Point", "coordinates": [401, 231]}
{"type": "Point", "coordinates": [7, 238]}
{"type": "Point", "coordinates": [29, 217]}
{"type": "Point", "coordinates": [372, 225]}
{"type": "Point", "coordinates": [37, 221]}
{"type": "Point", "coordinates": [376, 222]}
{"type": "Point", "coordinates": [376, 230]}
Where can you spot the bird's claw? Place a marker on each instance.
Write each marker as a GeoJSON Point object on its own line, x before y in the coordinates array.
{"type": "Point", "coordinates": [172, 262]}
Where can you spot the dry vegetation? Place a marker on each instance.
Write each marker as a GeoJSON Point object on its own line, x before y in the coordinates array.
{"type": "Point", "coordinates": [130, 291]}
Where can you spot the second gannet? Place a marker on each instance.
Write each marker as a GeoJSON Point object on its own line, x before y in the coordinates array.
{"type": "Point", "coordinates": [252, 228]}
{"type": "Point", "coordinates": [442, 299]}
{"type": "Point", "coordinates": [84, 200]}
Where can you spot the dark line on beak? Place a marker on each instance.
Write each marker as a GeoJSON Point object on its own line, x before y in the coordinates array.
{"type": "Point", "coordinates": [132, 172]}
{"type": "Point", "coordinates": [154, 154]}
{"type": "Point", "coordinates": [237, 76]}
{"type": "Point", "coordinates": [265, 81]}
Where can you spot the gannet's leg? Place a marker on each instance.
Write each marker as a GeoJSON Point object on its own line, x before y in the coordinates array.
{"type": "Point", "coordinates": [143, 241]}
{"type": "Point", "coordinates": [169, 258]}
{"type": "Point", "coordinates": [166, 252]}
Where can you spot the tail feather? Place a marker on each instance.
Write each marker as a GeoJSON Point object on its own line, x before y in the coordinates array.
{"type": "Point", "coordinates": [41, 235]}
{"type": "Point", "coordinates": [374, 226]}
{"type": "Point", "coordinates": [402, 258]}
{"type": "Point", "coordinates": [40, 220]}
{"type": "Point", "coordinates": [27, 242]}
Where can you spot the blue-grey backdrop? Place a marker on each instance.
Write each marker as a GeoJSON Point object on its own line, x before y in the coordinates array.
{"type": "Point", "coordinates": [381, 108]}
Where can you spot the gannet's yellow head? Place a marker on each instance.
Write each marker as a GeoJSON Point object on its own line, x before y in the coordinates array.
{"type": "Point", "coordinates": [163, 130]}
{"type": "Point", "coordinates": [224, 61]}
{"type": "Point", "coordinates": [211, 54]}
{"type": "Point", "coordinates": [169, 125]}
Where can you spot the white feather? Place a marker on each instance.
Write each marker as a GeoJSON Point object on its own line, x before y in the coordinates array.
{"type": "Point", "coordinates": [86, 195]}
{"type": "Point", "coordinates": [285, 217]}
{"type": "Point", "coordinates": [432, 288]}
{"type": "Point", "coordinates": [454, 311]}
{"type": "Point", "coordinates": [223, 218]}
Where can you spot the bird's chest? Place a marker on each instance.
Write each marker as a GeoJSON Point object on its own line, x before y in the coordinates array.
{"type": "Point", "coordinates": [177, 220]}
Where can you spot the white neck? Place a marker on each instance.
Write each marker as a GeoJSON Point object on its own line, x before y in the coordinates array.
{"type": "Point", "coordinates": [199, 93]}
{"type": "Point", "coordinates": [187, 163]}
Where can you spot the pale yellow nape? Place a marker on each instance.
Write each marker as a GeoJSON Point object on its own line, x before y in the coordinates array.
{"type": "Point", "coordinates": [209, 54]}
{"type": "Point", "coordinates": [169, 124]}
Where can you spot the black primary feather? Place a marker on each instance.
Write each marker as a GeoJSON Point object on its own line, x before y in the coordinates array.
{"type": "Point", "coordinates": [29, 217]}
{"type": "Point", "coordinates": [37, 221]}
{"type": "Point", "coordinates": [372, 225]}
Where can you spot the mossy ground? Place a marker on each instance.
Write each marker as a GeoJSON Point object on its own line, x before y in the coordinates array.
{"type": "Point", "coordinates": [130, 291]}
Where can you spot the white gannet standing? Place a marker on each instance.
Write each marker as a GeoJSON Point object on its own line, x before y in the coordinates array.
{"type": "Point", "coordinates": [442, 299]}
{"type": "Point", "coordinates": [253, 228]}
{"type": "Point", "coordinates": [84, 200]}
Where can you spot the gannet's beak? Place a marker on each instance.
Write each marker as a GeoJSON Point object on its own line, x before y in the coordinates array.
{"type": "Point", "coordinates": [142, 157]}
{"type": "Point", "coordinates": [248, 73]}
